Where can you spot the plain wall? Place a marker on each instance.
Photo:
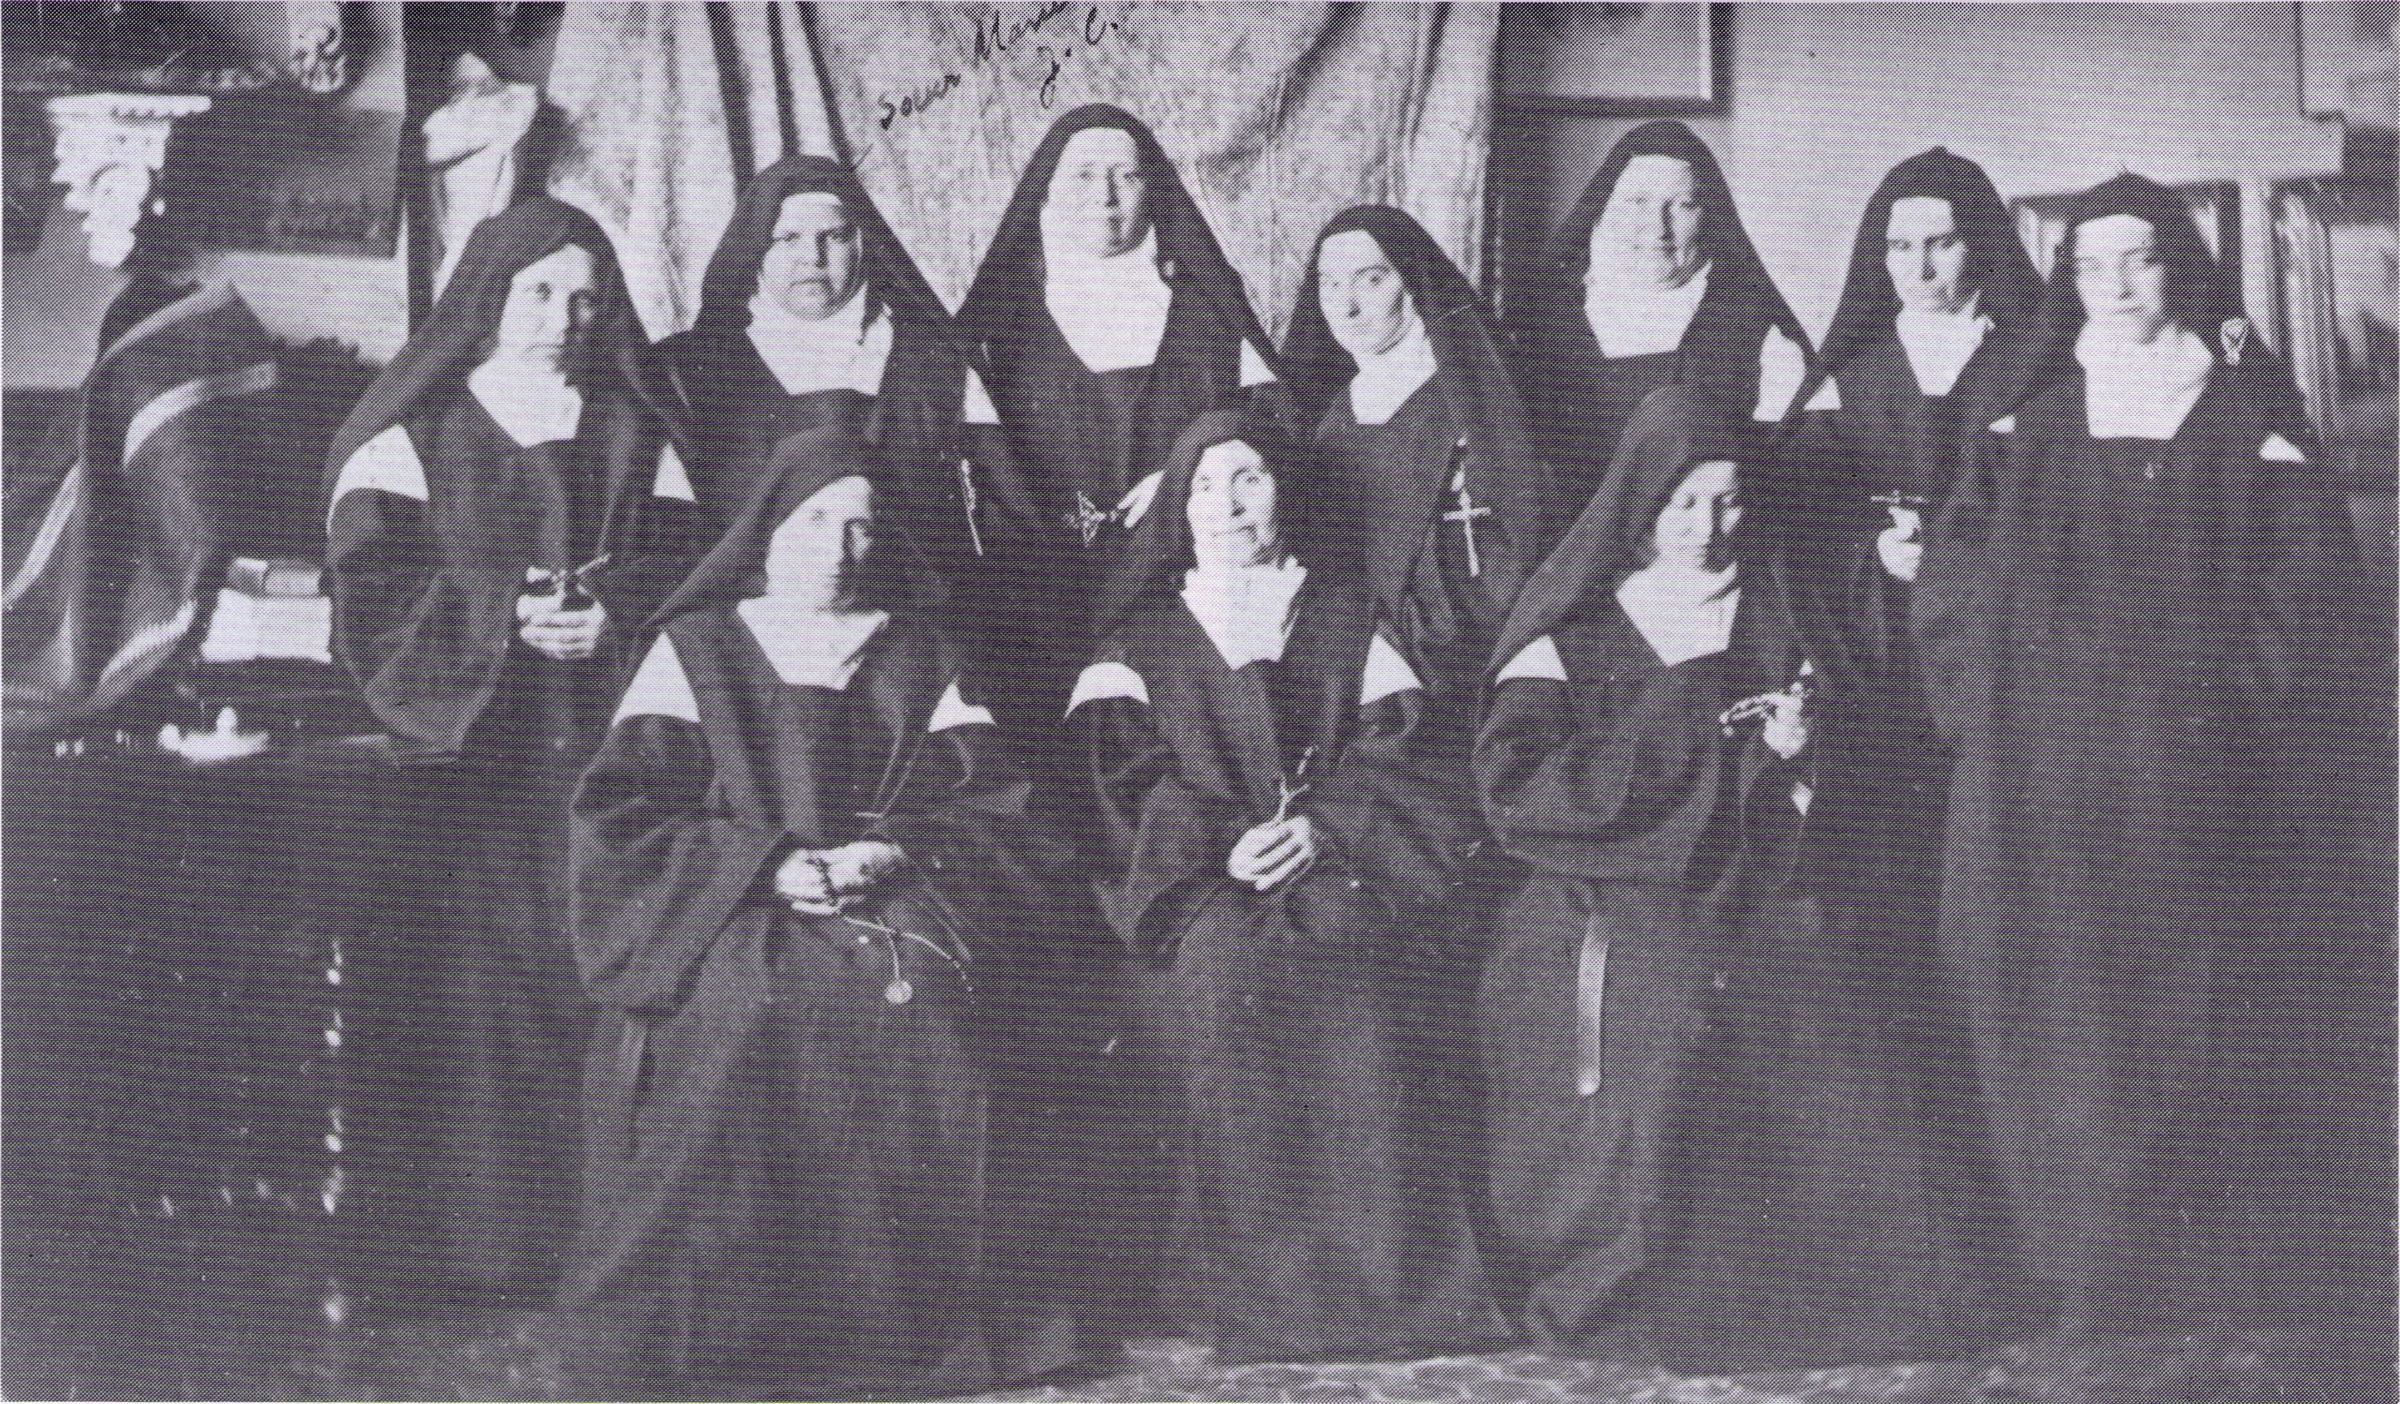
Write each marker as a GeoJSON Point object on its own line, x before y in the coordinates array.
{"type": "Point", "coordinates": [1820, 100]}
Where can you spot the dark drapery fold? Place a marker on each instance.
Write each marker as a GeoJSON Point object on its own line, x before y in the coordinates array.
{"type": "Point", "coordinates": [113, 538]}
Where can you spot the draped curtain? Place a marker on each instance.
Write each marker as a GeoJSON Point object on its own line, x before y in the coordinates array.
{"type": "Point", "coordinates": [1279, 115]}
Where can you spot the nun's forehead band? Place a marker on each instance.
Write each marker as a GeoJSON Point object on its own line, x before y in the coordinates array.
{"type": "Point", "coordinates": [824, 198]}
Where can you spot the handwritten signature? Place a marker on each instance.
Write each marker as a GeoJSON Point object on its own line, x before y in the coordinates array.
{"type": "Point", "coordinates": [996, 36]}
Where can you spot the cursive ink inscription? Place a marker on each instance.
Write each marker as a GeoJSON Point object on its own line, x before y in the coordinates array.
{"type": "Point", "coordinates": [889, 109]}
{"type": "Point", "coordinates": [995, 36]}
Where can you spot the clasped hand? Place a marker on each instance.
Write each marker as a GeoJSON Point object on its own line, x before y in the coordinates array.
{"type": "Point", "coordinates": [553, 631]}
{"type": "Point", "coordinates": [1783, 724]}
{"type": "Point", "coordinates": [821, 881]}
{"type": "Point", "coordinates": [1901, 546]}
{"type": "Point", "coordinates": [1273, 852]}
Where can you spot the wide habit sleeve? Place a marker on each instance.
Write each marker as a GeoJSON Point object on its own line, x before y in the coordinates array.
{"type": "Point", "coordinates": [657, 872]}
{"type": "Point", "coordinates": [961, 809]}
{"type": "Point", "coordinates": [1398, 807]}
{"type": "Point", "coordinates": [655, 540]}
{"type": "Point", "coordinates": [424, 638]}
{"type": "Point", "coordinates": [1626, 796]}
{"type": "Point", "coordinates": [1163, 841]}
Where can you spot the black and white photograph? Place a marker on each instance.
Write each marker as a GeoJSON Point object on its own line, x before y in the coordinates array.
{"type": "Point", "coordinates": [1385, 702]}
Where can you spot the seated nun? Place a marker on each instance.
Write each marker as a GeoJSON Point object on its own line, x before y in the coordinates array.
{"type": "Point", "coordinates": [798, 859]}
{"type": "Point", "coordinates": [1276, 833]}
{"type": "Point", "coordinates": [1703, 1147]}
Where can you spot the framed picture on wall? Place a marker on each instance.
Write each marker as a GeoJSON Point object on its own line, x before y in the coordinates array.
{"type": "Point", "coordinates": [1610, 60]}
{"type": "Point", "coordinates": [2216, 207]}
{"type": "Point", "coordinates": [2347, 65]}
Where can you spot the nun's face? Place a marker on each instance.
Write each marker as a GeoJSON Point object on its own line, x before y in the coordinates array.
{"type": "Point", "coordinates": [816, 554]}
{"type": "Point", "coordinates": [1361, 295]}
{"type": "Point", "coordinates": [1098, 196]}
{"type": "Point", "coordinates": [2120, 276]}
{"type": "Point", "coordinates": [1650, 229]}
{"type": "Point", "coordinates": [1925, 255]}
{"type": "Point", "coordinates": [812, 267]}
{"type": "Point", "coordinates": [548, 302]}
{"type": "Point", "coordinates": [1695, 528]}
{"type": "Point", "coordinates": [1232, 508]}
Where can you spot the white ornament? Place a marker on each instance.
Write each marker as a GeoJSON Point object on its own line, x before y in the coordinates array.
{"type": "Point", "coordinates": [110, 148]}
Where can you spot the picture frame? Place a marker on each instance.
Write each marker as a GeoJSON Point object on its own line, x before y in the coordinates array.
{"type": "Point", "coordinates": [2337, 274]}
{"type": "Point", "coordinates": [1611, 59]}
{"type": "Point", "coordinates": [2347, 66]}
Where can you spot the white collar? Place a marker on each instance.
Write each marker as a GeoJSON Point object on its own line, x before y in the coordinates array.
{"type": "Point", "coordinates": [843, 351]}
{"type": "Point", "coordinates": [1640, 319]}
{"type": "Point", "coordinates": [1112, 310]}
{"type": "Point", "coordinates": [1681, 614]}
{"type": "Point", "coordinates": [1247, 611]}
{"type": "Point", "coordinates": [2133, 391]}
{"type": "Point", "coordinates": [810, 647]}
{"type": "Point", "coordinates": [1939, 344]}
{"type": "Point", "coordinates": [1384, 382]}
{"type": "Point", "coordinates": [531, 404]}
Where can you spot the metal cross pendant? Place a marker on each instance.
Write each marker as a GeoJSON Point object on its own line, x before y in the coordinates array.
{"type": "Point", "coordinates": [1467, 511]}
{"type": "Point", "coordinates": [966, 496]}
{"type": "Point", "coordinates": [1087, 518]}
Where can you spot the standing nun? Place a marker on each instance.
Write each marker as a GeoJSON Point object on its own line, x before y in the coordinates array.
{"type": "Point", "coordinates": [1108, 317]}
{"type": "Point", "coordinates": [1419, 431]}
{"type": "Point", "coordinates": [2167, 893]}
{"type": "Point", "coordinates": [1651, 280]}
{"type": "Point", "coordinates": [799, 861]}
{"type": "Point", "coordinates": [1938, 292]}
{"type": "Point", "coordinates": [811, 312]}
{"type": "Point", "coordinates": [1278, 834]}
{"type": "Point", "coordinates": [502, 519]}
{"type": "Point", "coordinates": [1703, 1145]}
{"type": "Point", "coordinates": [1939, 303]}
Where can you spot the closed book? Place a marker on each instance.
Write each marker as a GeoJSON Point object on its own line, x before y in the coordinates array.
{"type": "Point", "coordinates": [281, 578]}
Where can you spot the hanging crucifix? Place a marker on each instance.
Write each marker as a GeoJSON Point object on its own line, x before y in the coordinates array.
{"type": "Point", "coordinates": [966, 497]}
{"type": "Point", "coordinates": [1467, 511]}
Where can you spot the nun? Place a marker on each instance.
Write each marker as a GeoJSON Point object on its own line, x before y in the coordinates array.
{"type": "Point", "coordinates": [1939, 289]}
{"type": "Point", "coordinates": [800, 859]}
{"type": "Point", "coordinates": [2166, 897]}
{"type": "Point", "coordinates": [503, 516]}
{"type": "Point", "coordinates": [1107, 316]}
{"type": "Point", "coordinates": [1651, 280]}
{"type": "Point", "coordinates": [1418, 431]}
{"type": "Point", "coordinates": [811, 313]}
{"type": "Point", "coordinates": [1280, 840]}
{"type": "Point", "coordinates": [1704, 1148]}
{"type": "Point", "coordinates": [1939, 302]}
